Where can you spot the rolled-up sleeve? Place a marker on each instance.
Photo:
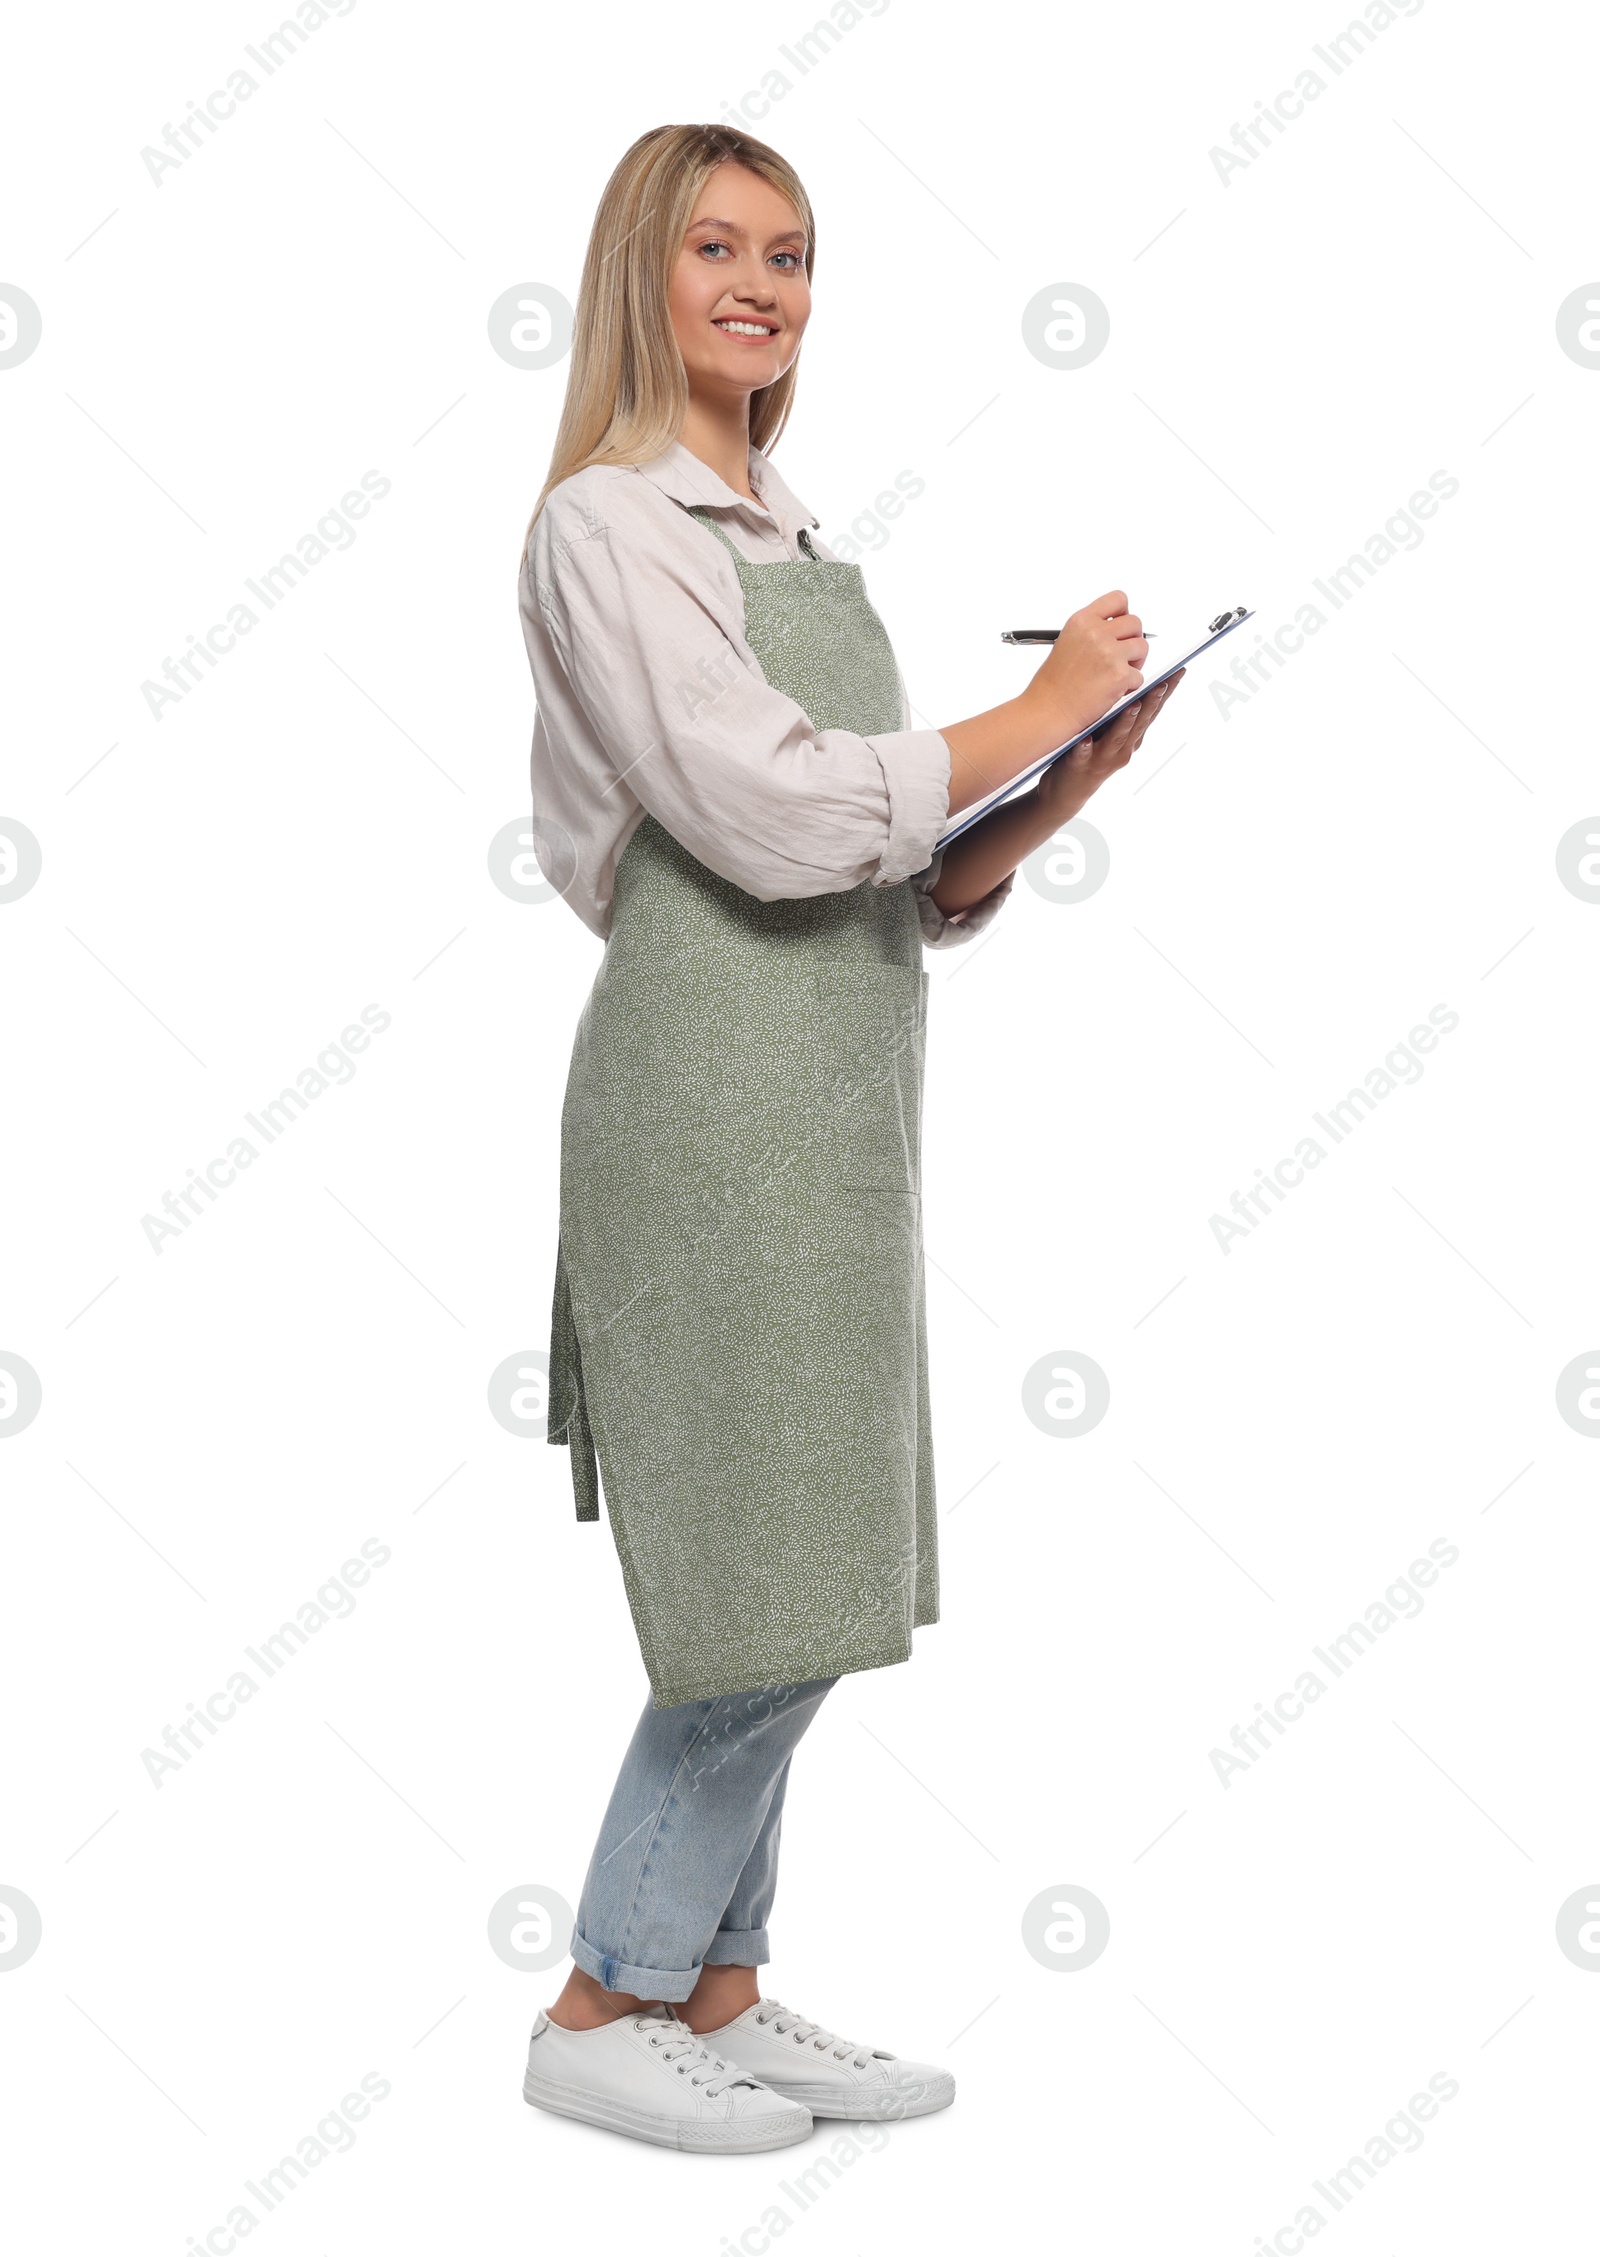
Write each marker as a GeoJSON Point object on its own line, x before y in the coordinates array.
{"type": "Point", "coordinates": [649, 635]}
{"type": "Point", "coordinates": [938, 930]}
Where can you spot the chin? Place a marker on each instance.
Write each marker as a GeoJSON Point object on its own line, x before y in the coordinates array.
{"type": "Point", "coordinates": [744, 377]}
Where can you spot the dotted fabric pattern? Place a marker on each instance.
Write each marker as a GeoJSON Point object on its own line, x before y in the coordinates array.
{"type": "Point", "coordinates": [738, 1342]}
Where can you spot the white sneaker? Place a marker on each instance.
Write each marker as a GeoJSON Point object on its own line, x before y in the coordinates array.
{"type": "Point", "coordinates": [831, 2075]}
{"type": "Point", "coordinates": [649, 2076]}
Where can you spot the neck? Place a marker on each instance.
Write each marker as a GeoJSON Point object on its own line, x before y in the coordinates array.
{"type": "Point", "coordinates": [718, 432]}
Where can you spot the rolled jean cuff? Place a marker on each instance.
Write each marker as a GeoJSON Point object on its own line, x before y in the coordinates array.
{"type": "Point", "coordinates": [738, 1947]}
{"type": "Point", "coordinates": [672, 1983]}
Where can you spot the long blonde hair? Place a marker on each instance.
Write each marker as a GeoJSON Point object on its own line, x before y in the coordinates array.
{"type": "Point", "coordinates": [627, 393]}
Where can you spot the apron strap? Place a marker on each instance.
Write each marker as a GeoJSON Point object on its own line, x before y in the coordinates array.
{"type": "Point", "coordinates": [807, 546]}
{"type": "Point", "coordinates": [705, 518]}
{"type": "Point", "coordinates": [568, 1421]}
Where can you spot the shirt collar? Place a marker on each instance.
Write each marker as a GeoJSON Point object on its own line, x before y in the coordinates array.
{"type": "Point", "coordinates": [687, 479]}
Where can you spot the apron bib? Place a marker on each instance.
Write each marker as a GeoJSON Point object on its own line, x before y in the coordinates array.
{"type": "Point", "coordinates": [738, 1336]}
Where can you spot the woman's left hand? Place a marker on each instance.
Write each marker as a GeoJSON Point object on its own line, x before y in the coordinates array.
{"type": "Point", "coordinates": [977, 861]}
{"type": "Point", "coordinates": [1067, 786]}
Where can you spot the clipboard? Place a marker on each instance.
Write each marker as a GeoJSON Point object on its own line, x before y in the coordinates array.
{"type": "Point", "coordinates": [975, 814]}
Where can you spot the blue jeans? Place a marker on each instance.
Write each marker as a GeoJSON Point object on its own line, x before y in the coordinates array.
{"type": "Point", "coordinates": [684, 1871]}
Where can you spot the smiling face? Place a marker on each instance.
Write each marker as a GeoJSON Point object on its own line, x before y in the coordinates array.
{"type": "Point", "coordinates": [739, 297]}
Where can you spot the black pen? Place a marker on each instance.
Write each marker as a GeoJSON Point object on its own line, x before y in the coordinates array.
{"type": "Point", "coordinates": [1042, 635]}
{"type": "Point", "coordinates": [1049, 634]}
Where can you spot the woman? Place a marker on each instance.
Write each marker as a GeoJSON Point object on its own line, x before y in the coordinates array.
{"type": "Point", "coordinates": [728, 792]}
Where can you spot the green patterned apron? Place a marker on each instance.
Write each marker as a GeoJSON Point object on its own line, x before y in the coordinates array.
{"type": "Point", "coordinates": [738, 1334]}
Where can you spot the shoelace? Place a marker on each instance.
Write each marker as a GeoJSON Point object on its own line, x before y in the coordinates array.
{"type": "Point", "coordinates": [679, 2045]}
{"type": "Point", "coordinates": [813, 2033]}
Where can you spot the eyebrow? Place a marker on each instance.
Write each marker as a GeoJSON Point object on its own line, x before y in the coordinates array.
{"type": "Point", "coordinates": [732, 227]}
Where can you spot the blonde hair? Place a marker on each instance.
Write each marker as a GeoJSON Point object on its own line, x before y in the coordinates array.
{"type": "Point", "coordinates": [627, 393]}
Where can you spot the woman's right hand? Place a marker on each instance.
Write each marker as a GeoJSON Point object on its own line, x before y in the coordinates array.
{"type": "Point", "coordinates": [1097, 658]}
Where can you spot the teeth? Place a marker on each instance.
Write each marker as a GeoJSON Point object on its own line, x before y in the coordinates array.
{"type": "Point", "coordinates": [744, 328]}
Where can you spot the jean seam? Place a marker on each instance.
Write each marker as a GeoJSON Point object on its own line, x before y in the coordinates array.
{"type": "Point", "coordinates": [623, 1953]}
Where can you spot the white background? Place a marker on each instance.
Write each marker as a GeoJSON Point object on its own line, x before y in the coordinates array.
{"type": "Point", "coordinates": [305, 1900]}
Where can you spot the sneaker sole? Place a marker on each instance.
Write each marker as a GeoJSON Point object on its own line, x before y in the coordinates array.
{"type": "Point", "coordinates": [749, 2137]}
{"type": "Point", "coordinates": [880, 2107]}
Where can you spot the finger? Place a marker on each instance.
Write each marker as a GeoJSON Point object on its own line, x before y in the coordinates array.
{"type": "Point", "coordinates": [1119, 736]}
{"type": "Point", "coordinates": [1129, 624]}
{"type": "Point", "coordinates": [1151, 706]}
{"type": "Point", "coordinates": [1140, 734]}
{"type": "Point", "coordinates": [1109, 606]}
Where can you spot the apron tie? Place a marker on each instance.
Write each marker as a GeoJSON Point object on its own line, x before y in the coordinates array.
{"type": "Point", "coordinates": [569, 1415]}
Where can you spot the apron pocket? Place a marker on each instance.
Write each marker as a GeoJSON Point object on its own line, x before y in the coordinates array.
{"type": "Point", "coordinates": [872, 1041]}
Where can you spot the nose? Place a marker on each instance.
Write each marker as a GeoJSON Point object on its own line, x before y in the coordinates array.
{"type": "Point", "coordinates": [759, 288]}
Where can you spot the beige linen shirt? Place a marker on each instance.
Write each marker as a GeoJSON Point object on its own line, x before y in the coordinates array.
{"type": "Point", "coordinates": [651, 701]}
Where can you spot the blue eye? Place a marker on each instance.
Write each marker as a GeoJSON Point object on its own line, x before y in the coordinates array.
{"type": "Point", "coordinates": [795, 258]}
